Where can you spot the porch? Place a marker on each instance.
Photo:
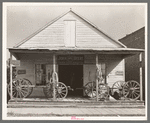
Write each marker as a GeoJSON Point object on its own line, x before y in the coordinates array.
{"type": "Point", "coordinates": [100, 57]}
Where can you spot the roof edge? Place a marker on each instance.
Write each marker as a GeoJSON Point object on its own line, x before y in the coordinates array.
{"type": "Point", "coordinates": [102, 49]}
{"type": "Point", "coordinates": [98, 29]}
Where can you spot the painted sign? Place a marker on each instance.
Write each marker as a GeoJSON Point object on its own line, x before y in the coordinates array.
{"type": "Point", "coordinates": [70, 59]}
{"type": "Point", "coordinates": [21, 72]}
{"type": "Point", "coordinates": [15, 62]}
{"type": "Point", "coordinates": [119, 73]}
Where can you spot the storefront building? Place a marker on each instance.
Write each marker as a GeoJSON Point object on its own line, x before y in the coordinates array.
{"type": "Point", "coordinates": [74, 49]}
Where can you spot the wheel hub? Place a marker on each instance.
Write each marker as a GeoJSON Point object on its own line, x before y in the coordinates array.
{"type": "Point", "coordinates": [132, 89]}
{"type": "Point", "coordinates": [59, 90]}
{"type": "Point", "coordinates": [18, 88]}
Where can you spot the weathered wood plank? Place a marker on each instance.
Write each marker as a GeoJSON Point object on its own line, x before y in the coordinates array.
{"type": "Point", "coordinates": [86, 35]}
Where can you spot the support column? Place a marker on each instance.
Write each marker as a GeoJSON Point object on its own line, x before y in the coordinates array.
{"type": "Point", "coordinates": [54, 70]}
{"type": "Point", "coordinates": [141, 83]}
{"type": "Point", "coordinates": [96, 79]}
{"type": "Point", "coordinates": [10, 76]}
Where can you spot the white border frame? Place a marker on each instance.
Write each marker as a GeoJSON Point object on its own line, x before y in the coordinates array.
{"type": "Point", "coordinates": [4, 55]}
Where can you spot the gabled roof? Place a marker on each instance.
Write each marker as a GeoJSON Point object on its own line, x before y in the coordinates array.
{"type": "Point", "coordinates": [98, 29]}
{"type": "Point", "coordinates": [25, 40]}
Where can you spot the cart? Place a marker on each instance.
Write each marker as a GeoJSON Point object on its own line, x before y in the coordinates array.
{"type": "Point", "coordinates": [119, 90]}
{"type": "Point", "coordinates": [22, 88]}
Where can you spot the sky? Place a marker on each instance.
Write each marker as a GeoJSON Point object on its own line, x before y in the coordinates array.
{"type": "Point", "coordinates": [115, 20]}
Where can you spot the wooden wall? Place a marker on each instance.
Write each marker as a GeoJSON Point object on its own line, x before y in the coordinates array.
{"type": "Point", "coordinates": [85, 35]}
{"type": "Point", "coordinates": [28, 62]}
{"type": "Point", "coordinates": [114, 66]}
{"type": "Point", "coordinates": [114, 69]}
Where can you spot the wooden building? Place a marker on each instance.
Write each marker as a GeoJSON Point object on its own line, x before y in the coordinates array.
{"type": "Point", "coordinates": [72, 47]}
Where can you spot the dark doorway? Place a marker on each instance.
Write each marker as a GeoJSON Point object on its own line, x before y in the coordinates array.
{"type": "Point", "coordinates": [72, 76]}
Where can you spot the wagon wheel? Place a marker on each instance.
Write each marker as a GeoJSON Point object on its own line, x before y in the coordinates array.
{"type": "Point", "coordinates": [30, 88]}
{"type": "Point", "coordinates": [103, 92]}
{"type": "Point", "coordinates": [61, 90]}
{"type": "Point", "coordinates": [20, 88]}
{"type": "Point", "coordinates": [90, 89]}
{"type": "Point", "coordinates": [131, 90]}
{"type": "Point", "coordinates": [118, 87]}
{"type": "Point", "coordinates": [48, 90]}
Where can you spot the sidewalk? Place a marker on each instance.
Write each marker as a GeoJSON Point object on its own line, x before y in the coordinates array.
{"type": "Point", "coordinates": [43, 112]}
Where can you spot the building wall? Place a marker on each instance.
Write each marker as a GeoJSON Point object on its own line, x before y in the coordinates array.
{"type": "Point", "coordinates": [112, 66]}
{"type": "Point", "coordinates": [54, 35]}
{"type": "Point", "coordinates": [132, 65]}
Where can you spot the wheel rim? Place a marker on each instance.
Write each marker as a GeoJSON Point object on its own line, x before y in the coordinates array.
{"type": "Point", "coordinates": [48, 90]}
{"type": "Point", "coordinates": [61, 90]}
{"type": "Point", "coordinates": [19, 88]}
{"type": "Point", "coordinates": [118, 87]}
{"type": "Point", "coordinates": [131, 90]}
{"type": "Point", "coordinates": [90, 89]}
{"type": "Point", "coordinates": [30, 88]}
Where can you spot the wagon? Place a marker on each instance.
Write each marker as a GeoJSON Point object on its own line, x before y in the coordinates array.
{"type": "Point", "coordinates": [22, 88]}
{"type": "Point", "coordinates": [121, 89]}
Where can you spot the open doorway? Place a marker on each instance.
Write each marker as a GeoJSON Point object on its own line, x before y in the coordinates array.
{"type": "Point", "coordinates": [72, 76]}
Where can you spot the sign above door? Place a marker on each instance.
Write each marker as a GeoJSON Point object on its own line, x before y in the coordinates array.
{"type": "Point", "coordinates": [70, 59]}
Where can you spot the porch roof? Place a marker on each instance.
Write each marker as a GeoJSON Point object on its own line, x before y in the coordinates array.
{"type": "Point", "coordinates": [124, 52]}
{"type": "Point", "coordinates": [77, 50]}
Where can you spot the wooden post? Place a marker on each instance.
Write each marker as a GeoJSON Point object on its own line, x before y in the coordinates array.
{"type": "Point", "coordinates": [105, 74]}
{"type": "Point", "coordinates": [11, 76]}
{"type": "Point", "coordinates": [141, 84]}
{"type": "Point", "coordinates": [54, 70]}
{"type": "Point", "coordinates": [97, 79]}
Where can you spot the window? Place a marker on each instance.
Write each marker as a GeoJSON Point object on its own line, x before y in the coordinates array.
{"type": "Point", "coordinates": [69, 33]}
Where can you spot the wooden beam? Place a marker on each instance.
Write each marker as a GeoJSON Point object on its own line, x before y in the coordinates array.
{"type": "Point", "coordinates": [105, 77]}
{"type": "Point", "coordinates": [75, 51]}
{"type": "Point", "coordinates": [141, 83]}
{"type": "Point", "coordinates": [54, 70]}
{"type": "Point", "coordinates": [97, 79]}
{"type": "Point", "coordinates": [11, 77]}
{"type": "Point", "coordinates": [15, 55]}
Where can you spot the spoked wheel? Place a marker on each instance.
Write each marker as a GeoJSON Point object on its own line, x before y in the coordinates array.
{"type": "Point", "coordinates": [117, 89]}
{"type": "Point", "coordinates": [30, 88]}
{"type": "Point", "coordinates": [90, 89]}
{"type": "Point", "coordinates": [48, 90]}
{"type": "Point", "coordinates": [103, 92]}
{"type": "Point", "coordinates": [20, 88]}
{"type": "Point", "coordinates": [61, 90]}
{"type": "Point", "coordinates": [131, 90]}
